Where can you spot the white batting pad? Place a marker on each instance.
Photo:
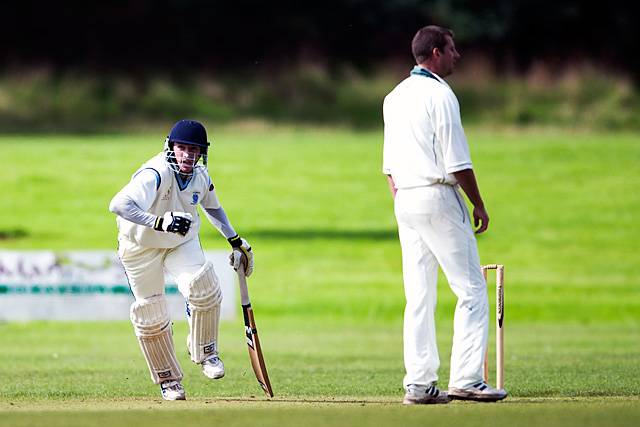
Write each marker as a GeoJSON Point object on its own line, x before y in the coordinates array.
{"type": "Point", "coordinates": [204, 298]}
{"type": "Point", "coordinates": [150, 318]}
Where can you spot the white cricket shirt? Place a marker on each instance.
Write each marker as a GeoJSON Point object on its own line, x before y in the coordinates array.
{"type": "Point", "coordinates": [424, 142]}
{"type": "Point", "coordinates": [157, 189]}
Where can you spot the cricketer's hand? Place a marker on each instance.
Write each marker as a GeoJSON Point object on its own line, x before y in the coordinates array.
{"type": "Point", "coordinates": [241, 249]}
{"type": "Point", "coordinates": [174, 222]}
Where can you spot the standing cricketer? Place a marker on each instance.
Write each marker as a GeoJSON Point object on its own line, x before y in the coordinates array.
{"type": "Point", "coordinates": [158, 227]}
{"type": "Point", "coordinates": [426, 160]}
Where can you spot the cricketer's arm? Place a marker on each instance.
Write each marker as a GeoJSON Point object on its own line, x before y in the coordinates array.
{"type": "Point", "coordinates": [467, 180]}
{"type": "Point", "coordinates": [392, 186]}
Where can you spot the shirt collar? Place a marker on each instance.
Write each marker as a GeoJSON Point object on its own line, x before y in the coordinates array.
{"type": "Point", "coordinates": [420, 71]}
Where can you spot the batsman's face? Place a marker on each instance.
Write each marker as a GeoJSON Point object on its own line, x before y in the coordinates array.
{"type": "Point", "coordinates": [186, 156]}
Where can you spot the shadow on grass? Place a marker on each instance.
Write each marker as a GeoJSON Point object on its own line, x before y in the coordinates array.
{"type": "Point", "coordinates": [324, 234]}
{"type": "Point", "coordinates": [14, 234]}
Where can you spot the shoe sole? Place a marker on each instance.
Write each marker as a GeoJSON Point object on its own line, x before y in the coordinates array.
{"type": "Point", "coordinates": [406, 401]}
{"type": "Point", "coordinates": [214, 377]}
{"type": "Point", "coordinates": [173, 400]}
{"type": "Point", "coordinates": [476, 397]}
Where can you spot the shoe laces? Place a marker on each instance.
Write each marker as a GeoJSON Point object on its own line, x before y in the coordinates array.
{"type": "Point", "coordinates": [174, 385]}
{"type": "Point", "coordinates": [212, 360]}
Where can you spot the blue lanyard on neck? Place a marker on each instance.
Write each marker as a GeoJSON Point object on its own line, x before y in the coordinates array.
{"type": "Point", "coordinates": [419, 71]}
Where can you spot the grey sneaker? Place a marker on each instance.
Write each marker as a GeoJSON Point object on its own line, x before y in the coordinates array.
{"type": "Point", "coordinates": [213, 368]}
{"type": "Point", "coordinates": [172, 390]}
{"type": "Point", "coordinates": [480, 392]}
{"type": "Point", "coordinates": [421, 395]}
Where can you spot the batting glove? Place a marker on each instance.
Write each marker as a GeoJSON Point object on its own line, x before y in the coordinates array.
{"type": "Point", "coordinates": [241, 249]}
{"type": "Point", "coordinates": [174, 222]}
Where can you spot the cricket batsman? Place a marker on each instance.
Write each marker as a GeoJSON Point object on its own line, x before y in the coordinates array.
{"type": "Point", "coordinates": [158, 225]}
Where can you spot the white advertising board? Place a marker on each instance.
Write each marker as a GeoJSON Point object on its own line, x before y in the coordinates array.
{"type": "Point", "coordinates": [86, 285]}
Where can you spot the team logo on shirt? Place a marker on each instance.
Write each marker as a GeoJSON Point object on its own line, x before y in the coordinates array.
{"type": "Point", "coordinates": [195, 197]}
{"type": "Point", "coordinates": [166, 195]}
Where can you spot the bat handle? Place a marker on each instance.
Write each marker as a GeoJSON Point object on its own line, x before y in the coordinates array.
{"type": "Point", "coordinates": [244, 290]}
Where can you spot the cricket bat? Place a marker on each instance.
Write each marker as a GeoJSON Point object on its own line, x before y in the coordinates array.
{"type": "Point", "coordinates": [253, 343]}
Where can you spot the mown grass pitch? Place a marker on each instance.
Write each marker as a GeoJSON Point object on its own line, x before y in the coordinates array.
{"type": "Point", "coordinates": [323, 372]}
{"type": "Point", "coordinates": [327, 289]}
{"type": "Point", "coordinates": [520, 412]}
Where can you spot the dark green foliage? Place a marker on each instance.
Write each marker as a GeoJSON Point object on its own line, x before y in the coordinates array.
{"type": "Point", "coordinates": [305, 94]}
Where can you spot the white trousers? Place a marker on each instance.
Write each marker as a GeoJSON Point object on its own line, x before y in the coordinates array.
{"type": "Point", "coordinates": [145, 266]}
{"type": "Point", "coordinates": [434, 229]}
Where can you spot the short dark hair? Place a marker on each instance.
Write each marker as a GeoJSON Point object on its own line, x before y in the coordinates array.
{"type": "Point", "coordinates": [428, 38]}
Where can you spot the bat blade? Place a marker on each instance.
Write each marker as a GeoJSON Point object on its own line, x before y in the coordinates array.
{"type": "Point", "coordinates": [255, 351]}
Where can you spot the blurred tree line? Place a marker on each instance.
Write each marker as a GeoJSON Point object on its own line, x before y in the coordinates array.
{"type": "Point", "coordinates": [185, 34]}
{"type": "Point", "coordinates": [246, 57]}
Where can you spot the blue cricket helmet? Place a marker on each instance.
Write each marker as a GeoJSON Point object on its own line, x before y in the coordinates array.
{"type": "Point", "coordinates": [190, 132]}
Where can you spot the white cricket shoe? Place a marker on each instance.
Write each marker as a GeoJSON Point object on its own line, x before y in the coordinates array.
{"type": "Point", "coordinates": [172, 390]}
{"type": "Point", "coordinates": [212, 367]}
{"type": "Point", "coordinates": [423, 395]}
{"type": "Point", "coordinates": [480, 392]}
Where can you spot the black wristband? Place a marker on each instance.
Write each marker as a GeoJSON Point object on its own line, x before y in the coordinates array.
{"type": "Point", "coordinates": [235, 241]}
{"type": "Point", "coordinates": [158, 225]}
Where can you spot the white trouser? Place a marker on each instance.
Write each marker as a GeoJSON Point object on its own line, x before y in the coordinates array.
{"type": "Point", "coordinates": [145, 266]}
{"type": "Point", "coordinates": [434, 228]}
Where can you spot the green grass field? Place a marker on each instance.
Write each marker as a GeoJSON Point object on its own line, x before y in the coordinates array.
{"type": "Point", "coordinates": [327, 290]}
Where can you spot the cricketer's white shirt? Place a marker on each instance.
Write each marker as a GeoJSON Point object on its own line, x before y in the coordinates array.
{"type": "Point", "coordinates": [424, 142]}
{"type": "Point", "coordinates": [156, 189]}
